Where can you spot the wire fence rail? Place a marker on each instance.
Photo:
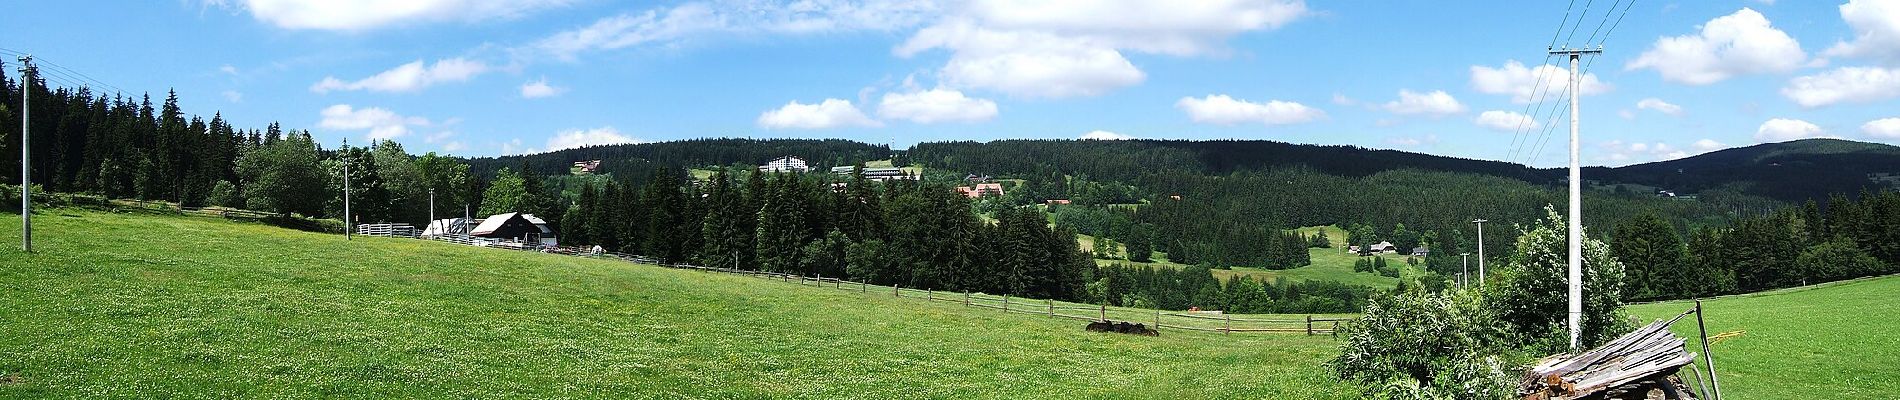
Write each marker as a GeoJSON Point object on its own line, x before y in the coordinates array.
{"type": "Point", "coordinates": [1198, 321]}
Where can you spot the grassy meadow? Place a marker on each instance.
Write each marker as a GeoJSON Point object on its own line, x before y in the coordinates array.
{"type": "Point", "coordinates": [144, 306]}
{"type": "Point", "coordinates": [1829, 341]}
{"type": "Point", "coordinates": [1332, 264]}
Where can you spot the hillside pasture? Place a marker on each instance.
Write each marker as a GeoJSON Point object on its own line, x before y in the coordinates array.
{"type": "Point", "coordinates": [132, 305]}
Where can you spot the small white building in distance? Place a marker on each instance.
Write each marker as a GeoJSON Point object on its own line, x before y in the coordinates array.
{"type": "Point", "coordinates": [785, 164]}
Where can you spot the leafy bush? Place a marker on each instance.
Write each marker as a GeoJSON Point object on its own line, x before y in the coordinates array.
{"type": "Point", "coordinates": [1418, 345]}
{"type": "Point", "coordinates": [1529, 293]}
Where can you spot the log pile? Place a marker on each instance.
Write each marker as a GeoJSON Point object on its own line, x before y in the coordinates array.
{"type": "Point", "coordinates": [1639, 365]}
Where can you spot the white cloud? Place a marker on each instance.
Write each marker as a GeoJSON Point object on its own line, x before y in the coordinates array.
{"type": "Point", "coordinates": [454, 146]}
{"type": "Point", "coordinates": [1505, 121]}
{"type": "Point", "coordinates": [1843, 85]}
{"type": "Point", "coordinates": [539, 89]}
{"type": "Point", "coordinates": [935, 105]}
{"type": "Point", "coordinates": [1436, 103]}
{"type": "Point", "coordinates": [380, 123]}
{"type": "Point", "coordinates": [1342, 100]}
{"type": "Point", "coordinates": [1876, 25]}
{"type": "Point", "coordinates": [1055, 49]}
{"type": "Point", "coordinates": [1524, 83]}
{"type": "Point", "coordinates": [353, 15]}
{"type": "Point", "coordinates": [1410, 141]}
{"type": "Point", "coordinates": [232, 96]}
{"type": "Point", "coordinates": [1708, 145]}
{"type": "Point", "coordinates": [1659, 106]}
{"type": "Point", "coordinates": [1884, 128]}
{"type": "Point", "coordinates": [514, 147]}
{"type": "Point", "coordinates": [408, 77]}
{"type": "Point", "coordinates": [1105, 135]}
{"type": "Point", "coordinates": [575, 138]}
{"type": "Point", "coordinates": [698, 20]}
{"type": "Point", "coordinates": [1735, 44]}
{"type": "Point", "coordinates": [830, 113]}
{"type": "Point", "coordinates": [1224, 110]}
{"type": "Point", "coordinates": [1618, 151]}
{"type": "Point", "coordinates": [1783, 129]}
{"type": "Point", "coordinates": [227, 69]}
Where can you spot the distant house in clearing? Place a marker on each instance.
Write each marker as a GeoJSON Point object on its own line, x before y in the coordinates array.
{"type": "Point", "coordinates": [974, 178]}
{"type": "Point", "coordinates": [1352, 249]}
{"type": "Point", "coordinates": [1383, 248]}
{"type": "Point", "coordinates": [586, 167]}
{"type": "Point", "coordinates": [785, 164]}
{"type": "Point", "coordinates": [515, 226]}
{"type": "Point", "coordinates": [1057, 202]}
{"type": "Point", "coordinates": [1421, 251]}
{"type": "Point", "coordinates": [981, 189]}
{"type": "Point", "coordinates": [875, 173]}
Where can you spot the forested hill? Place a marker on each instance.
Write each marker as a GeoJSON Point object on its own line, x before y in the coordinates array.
{"type": "Point", "coordinates": [1129, 159]}
{"type": "Point", "coordinates": [1790, 171]}
{"type": "Point", "coordinates": [634, 160]}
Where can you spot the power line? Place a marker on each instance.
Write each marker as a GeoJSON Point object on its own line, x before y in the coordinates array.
{"type": "Point", "coordinates": [1606, 19]}
{"type": "Point", "coordinates": [1573, 29]}
{"type": "Point", "coordinates": [1521, 135]}
{"type": "Point", "coordinates": [71, 77]}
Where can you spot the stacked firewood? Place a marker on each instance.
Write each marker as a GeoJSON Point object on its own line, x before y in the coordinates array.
{"type": "Point", "coordinates": [1640, 365]}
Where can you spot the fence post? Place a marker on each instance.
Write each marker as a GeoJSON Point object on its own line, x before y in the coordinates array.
{"type": "Point", "coordinates": [1714, 383]}
{"type": "Point", "coordinates": [966, 298]}
{"type": "Point", "coordinates": [1227, 325]}
{"type": "Point", "coordinates": [837, 284]}
{"type": "Point", "coordinates": [1309, 325]}
{"type": "Point", "coordinates": [1157, 320]}
{"type": "Point", "coordinates": [864, 287]}
{"type": "Point", "coordinates": [1104, 313]}
{"type": "Point", "coordinates": [1006, 303]}
{"type": "Point", "coordinates": [894, 291]}
{"type": "Point", "coordinates": [1052, 307]}
{"type": "Point", "coordinates": [930, 295]}
{"type": "Point", "coordinates": [801, 280]}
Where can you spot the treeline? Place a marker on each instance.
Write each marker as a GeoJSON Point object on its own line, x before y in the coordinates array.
{"type": "Point", "coordinates": [914, 234]}
{"type": "Point", "coordinates": [124, 147]}
{"type": "Point", "coordinates": [1183, 288]}
{"type": "Point", "coordinates": [1848, 238]}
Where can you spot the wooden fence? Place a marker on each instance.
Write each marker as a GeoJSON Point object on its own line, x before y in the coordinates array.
{"type": "Point", "coordinates": [1158, 319]}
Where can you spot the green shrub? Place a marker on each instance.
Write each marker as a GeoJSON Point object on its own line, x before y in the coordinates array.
{"type": "Point", "coordinates": [1417, 345]}
{"type": "Point", "coordinates": [1530, 292]}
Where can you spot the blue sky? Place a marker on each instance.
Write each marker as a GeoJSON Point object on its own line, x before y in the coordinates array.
{"type": "Point", "coordinates": [487, 77]}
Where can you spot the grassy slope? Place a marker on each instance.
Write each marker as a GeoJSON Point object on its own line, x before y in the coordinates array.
{"type": "Point", "coordinates": [1826, 341]}
{"type": "Point", "coordinates": [1332, 264]}
{"type": "Point", "coordinates": [151, 306]}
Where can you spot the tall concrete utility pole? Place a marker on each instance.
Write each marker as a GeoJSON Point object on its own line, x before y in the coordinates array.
{"type": "Point", "coordinates": [1480, 223]}
{"type": "Point", "coordinates": [432, 209]}
{"type": "Point", "coordinates": [1464, 278]}
{"type": "Point", "coordinates": [349, 227]}
{"type": "Point", "coordinates": [1576, 199]}
{"type": "Point", "coordinates": [27, 75]}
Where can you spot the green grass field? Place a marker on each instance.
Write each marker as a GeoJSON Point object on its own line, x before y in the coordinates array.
{"type": "Point", "coordinates": [1831, 341]}
{"type": "Point", "coordinates": [144, 306]}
